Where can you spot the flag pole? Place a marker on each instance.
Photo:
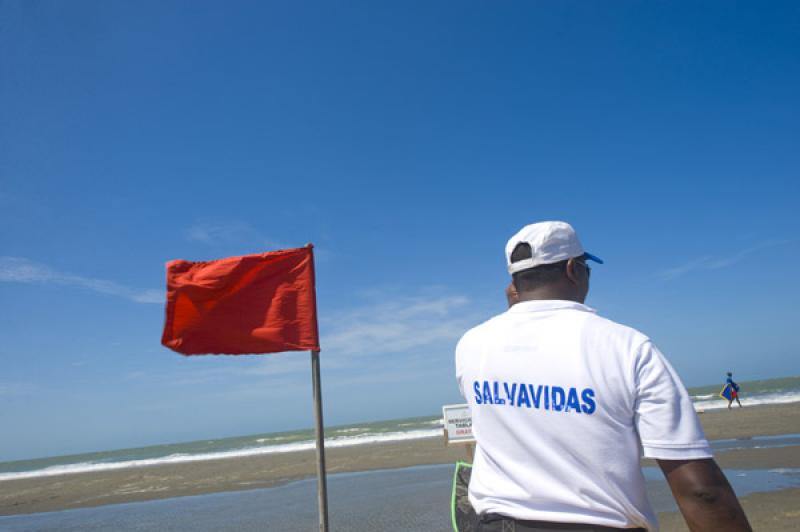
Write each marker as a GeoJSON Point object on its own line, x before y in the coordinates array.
{"type": "Point", "coordinates": [322, 482]}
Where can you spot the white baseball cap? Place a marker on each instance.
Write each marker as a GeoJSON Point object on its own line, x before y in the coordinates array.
{"type": "Point", "coordinates": [550, 242]}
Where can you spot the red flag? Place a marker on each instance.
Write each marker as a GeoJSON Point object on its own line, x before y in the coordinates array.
{"type": "Point", "coordinates": [262, 303]}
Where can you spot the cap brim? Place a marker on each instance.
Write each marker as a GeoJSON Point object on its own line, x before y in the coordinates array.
{"type": "Point", "coordinates": [589, 256]}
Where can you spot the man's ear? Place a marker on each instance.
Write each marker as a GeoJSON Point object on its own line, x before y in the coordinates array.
{"type": "Point", "coordinates": [571, 272]}
{"type": "Point", "coordinates": [511, 294]}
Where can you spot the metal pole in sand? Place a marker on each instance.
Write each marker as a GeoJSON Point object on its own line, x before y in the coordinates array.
{"type": "Point", "coordinates": [322, 484]}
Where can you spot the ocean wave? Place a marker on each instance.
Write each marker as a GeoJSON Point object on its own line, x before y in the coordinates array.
{"type": "Point", "coordinates": [435, 422]}
{"type": "Point", "coordinates": [765, 399]}
{"type": "Point", "coordinates": [179, 458]}
{"type": "Point", "coordinates": [702, 397]}
{"type": "Point", "coordinates": [273, 439]}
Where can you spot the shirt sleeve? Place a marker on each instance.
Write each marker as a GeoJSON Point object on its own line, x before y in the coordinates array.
{"type": "Point", "coordinates": [665, 418]}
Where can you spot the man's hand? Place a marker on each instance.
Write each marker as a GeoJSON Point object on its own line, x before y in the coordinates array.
{"type": "Point", "coordinates": [511, 295]}
{"type": "Point", "coordinates": [704, 495]}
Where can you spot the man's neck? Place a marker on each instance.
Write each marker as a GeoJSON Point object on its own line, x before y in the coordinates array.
{"type": "Point", "coordinates": [544, 294]}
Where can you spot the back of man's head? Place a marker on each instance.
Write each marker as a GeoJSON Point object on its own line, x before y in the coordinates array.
{"type": "Point", "coordinates": [547, 261]}
{"type": "Point", "coordinates": [535, 278]}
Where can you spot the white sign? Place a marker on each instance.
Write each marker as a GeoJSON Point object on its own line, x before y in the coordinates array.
{"type": "Point", "coordinates": [457, 423]}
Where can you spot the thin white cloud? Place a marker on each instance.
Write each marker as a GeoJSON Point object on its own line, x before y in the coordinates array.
{"type": "Point", "coordinates": [17, 389]}
{"type": "Point", "coordinates": [229, 368]}
{"type": "Point", "coordinates": [677, 271]}
{"type": "Point", "coordinates": [281, 364]}
{"type": "Point", "coordinates": [229, 232]}
{"type": "Point", "coordinates": [708, 262]}
{"type": "Point", "coordinates": [396, 326]}
{"type": "Point", "coordinates": [22, 270]}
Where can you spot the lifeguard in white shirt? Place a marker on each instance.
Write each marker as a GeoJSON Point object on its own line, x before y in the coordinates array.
{"type": "Point", "coordinates": [565, 403]}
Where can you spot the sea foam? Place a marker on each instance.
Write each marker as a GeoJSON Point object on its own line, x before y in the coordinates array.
{"type": "Point", "coordinates": [777, 398]}
{"type": "Point", "coordinates": [341, 441]}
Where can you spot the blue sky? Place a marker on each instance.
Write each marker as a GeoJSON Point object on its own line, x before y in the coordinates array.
{"type": "Point", "coordinates": [407, 141]}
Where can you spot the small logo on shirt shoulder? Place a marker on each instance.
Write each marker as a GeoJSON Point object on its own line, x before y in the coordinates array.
{"type": "Point", "coordinates": [515, 348]}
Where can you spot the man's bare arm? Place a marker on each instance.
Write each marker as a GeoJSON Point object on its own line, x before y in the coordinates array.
{"type": "Point", "coordinates": [704, 495]}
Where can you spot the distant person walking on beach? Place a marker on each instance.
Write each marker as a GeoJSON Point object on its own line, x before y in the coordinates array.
{"type": "Point", "coordinates": [563, 401]}
{"type": "Point", "coordinates": [733, 390]}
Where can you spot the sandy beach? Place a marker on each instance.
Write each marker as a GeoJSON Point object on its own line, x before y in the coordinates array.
{"type": "Point", "coordinates": [767, 511]}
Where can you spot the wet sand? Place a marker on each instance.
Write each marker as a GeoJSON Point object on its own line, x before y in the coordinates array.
{"type": "Point", "coordinates": [165, 481]}
{"type": "Point", "coordinates": [777, 511]}
{"type": "Point", "coordinates": [176, 480]}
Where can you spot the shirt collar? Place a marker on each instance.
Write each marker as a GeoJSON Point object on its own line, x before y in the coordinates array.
{"type": "Point", "coordinates": [539, 305]}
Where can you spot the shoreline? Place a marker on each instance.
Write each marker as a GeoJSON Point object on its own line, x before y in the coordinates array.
{"type": "Point", "coordinates": [88, 489]}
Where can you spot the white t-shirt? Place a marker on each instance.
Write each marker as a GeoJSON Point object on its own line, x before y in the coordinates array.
{"type": "Point", "coordinates": [564, 403]}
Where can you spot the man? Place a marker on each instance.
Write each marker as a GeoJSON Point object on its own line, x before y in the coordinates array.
{"type": "Point", "coordinates": [564, 403]}
{"type": "Point", "coordinates": [734, 390]}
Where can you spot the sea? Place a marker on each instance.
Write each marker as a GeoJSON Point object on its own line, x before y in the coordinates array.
{"type": "Point", "coordinates": [761, 392]}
